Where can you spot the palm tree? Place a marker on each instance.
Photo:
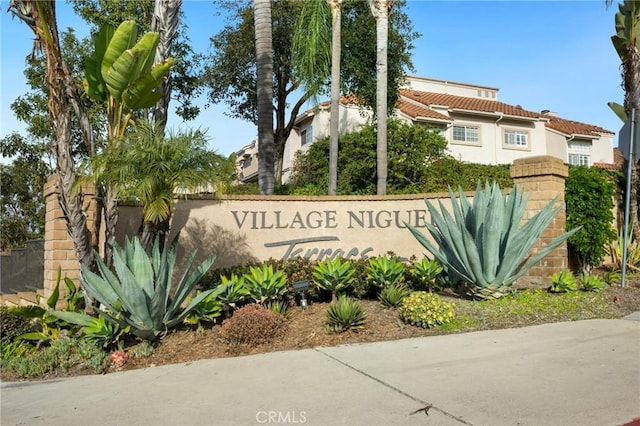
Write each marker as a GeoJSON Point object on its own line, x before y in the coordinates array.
{"type": "Point", "coordinates": [334, 130]}
{"type": "Point", "coordinates": [150, 168]}
{"type": "Point", "coordinates": [40, 16]}
{"type": "Point", "coordinates": [625, 42]}
{"type": "Point", "coordinates": [310, 55]}
{"type": "Point", "coordinates": [381, 9]}
{"type": "Point", "coordinates": [264, 56]}
{"type": "Point", "coordinates": [166, 17]}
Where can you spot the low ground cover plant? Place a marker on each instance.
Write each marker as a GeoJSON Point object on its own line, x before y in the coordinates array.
{"type": "Point", "coordinates": [425, 310]}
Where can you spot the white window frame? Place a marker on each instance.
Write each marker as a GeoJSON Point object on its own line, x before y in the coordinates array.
{"type": "Point", "coordinates": [467, 136]}
{"type": "Point", "coordinates": [306, 136]}
{"type": "Point", "coordinates": [576, 159]}
{"type": "Point", "coordinates": [516, 139]}
{"type": "Point", "coordinates": [579, 153]}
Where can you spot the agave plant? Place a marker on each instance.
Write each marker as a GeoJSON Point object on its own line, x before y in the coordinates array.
{"type": "Point", "coordinates": [486, 244]}
{"type": "Point", "coordinates": [265, 285]}
{"type": "Point", "coordinates": [335, 275]}
{"type": "Point", "coordinates": [345, 314]}
{"type": "Point", "coordinates": [384, 271]}
{"type": "Point", "coordinates": [141, 294]}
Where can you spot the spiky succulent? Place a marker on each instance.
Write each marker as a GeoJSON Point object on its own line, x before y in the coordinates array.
{"type": "Point", "coordinates": [486, 244]}
{"type": "Point", "coordinates": [141, 291]}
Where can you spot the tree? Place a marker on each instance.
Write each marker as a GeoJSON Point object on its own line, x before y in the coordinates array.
{"type": "Point", "coordinates": [40, 16]}
{"type": "Point", "coordinates": [589, 196]}
{"type": "Point", "coordinates": [121, 74]}
{"type": "Point", "coordinates": [231, 76]}
{"type": "Point", "coordinates": [21, 196]}
{"type": "Point", "coordinates": [184, 83]}
{"type": "Point", "coordinates": [150, 167]}
{"type": "Point", "coordinates": [625, 41]}
{"type": "Point", "coordinates": [166, 18]}
{"type": "Point", "coordinates": [311, 57]}
{"type": "Point", "coordinates": [264, 90]}
{"type": "Point", "coordinates": [381, 10]}
{"type": "Point", "coordinates": [359, 52]}
{"type": "Point", "coordinates": [336, 47]}
{"type": "Point", "coordinates": [414, 151]}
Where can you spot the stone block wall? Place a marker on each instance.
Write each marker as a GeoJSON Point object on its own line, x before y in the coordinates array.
{"type": "Point", "coordinates": [543, 177]}
{"type": "Point", "coordinates": [59, 250]}
{"type": "Point", "coordinates": [239, 228]}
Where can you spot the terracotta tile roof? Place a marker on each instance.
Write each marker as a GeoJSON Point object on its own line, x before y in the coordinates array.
{"type": "Point", "coordinates": [466, 103]}
{"type": "Point", "coordinates": [570, 127]}
{"type": "Point", "coordinates": [414, 111]}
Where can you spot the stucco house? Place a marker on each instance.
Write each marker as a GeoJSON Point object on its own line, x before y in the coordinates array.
{"type": "Point", "coordinates": [478, 127]}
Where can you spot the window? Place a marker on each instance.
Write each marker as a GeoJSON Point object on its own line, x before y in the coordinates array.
{"type": "Point", "coordinates": [468, 134]}
{"type": "Point", "coordinates": [579, 153]}
{"type": "Point", "coordinates": [306, 136]}
{"type": "Point", "coordinates": [579, 159]}
{"type": "Point", "coordinates": [515, 138]}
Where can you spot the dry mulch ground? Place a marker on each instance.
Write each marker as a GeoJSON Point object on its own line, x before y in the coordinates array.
{"type": "Point", "coordinates": [306, 330]}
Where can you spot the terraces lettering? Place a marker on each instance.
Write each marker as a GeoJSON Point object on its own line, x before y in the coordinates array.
{"type": "Point", "coordinates": [327, 219]}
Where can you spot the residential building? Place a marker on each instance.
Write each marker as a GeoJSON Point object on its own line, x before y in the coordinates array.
{"type": "Point", "coordinates": [478, 127]}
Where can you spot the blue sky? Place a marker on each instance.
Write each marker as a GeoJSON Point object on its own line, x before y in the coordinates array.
{"type": "Point", "coordinates": [554, 55]}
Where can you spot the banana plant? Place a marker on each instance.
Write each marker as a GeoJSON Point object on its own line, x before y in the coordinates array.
{"type": "Point", "coordinates": [121, 73]}
{"type": "Point", "coordinates": [486, 244]}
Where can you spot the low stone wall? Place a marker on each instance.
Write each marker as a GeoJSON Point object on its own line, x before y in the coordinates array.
{"type": "Point", "coordinates": [239, 229]}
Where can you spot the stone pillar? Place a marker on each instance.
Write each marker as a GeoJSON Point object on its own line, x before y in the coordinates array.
{"type": "Point", "coordinates": [59, 250]}
{"type": "Point", "coordinates": [543, 178]}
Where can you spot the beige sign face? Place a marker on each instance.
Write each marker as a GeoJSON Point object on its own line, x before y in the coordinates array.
{"type": "Point", "coordinates": [245, 230]}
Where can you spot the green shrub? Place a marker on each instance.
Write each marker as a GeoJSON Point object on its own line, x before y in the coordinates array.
{"type": "Point", "coordinates": [426, 275]}
{"type": "Point", "coordinates": [589, 193]}
{"type": "Point", "coordinates": [425, 310]}
{"type": "Point", "coordinates": [207, 311]}
{"type": "Point", "coordinates": [334, 275]}
{"type": "Point", "coordinates": [384, 271]}
{"type": "Point", "coordinates": [264, 284]}
{"type": "Point", "coordinates": [12, 326]}
{"type": "Point", "coordinates": [563, 282]}
{"type": "Point", "coordinates": [253, 325]}
{"type": "Point", "coordinates": [231, 293]}
{"type": "Point", "coordinates": [392, 295]}
{"type": "Point", "coordinates": [592, 283]}
{"type": "Point", "coordinates": [62, 355]}
{"type": "Point", "coordinates": [345, 314]}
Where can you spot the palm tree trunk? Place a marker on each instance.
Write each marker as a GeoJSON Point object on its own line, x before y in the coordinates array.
{"type": "Point", "coordinates": [381, 10]}
{"type": "Point", "coordinates": [41, 18]}
{"type": "Point", "coordinates": [264, 55]}
{"type": "Point", "coordinates": [334, 129]}
{"type": "Point", "coordinates": [166, 17]}
{"type": "Point", "coordinates": [631, 79]}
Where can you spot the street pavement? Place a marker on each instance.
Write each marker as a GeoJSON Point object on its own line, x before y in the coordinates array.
{"type": "Point", "coordinates": [571, 373]}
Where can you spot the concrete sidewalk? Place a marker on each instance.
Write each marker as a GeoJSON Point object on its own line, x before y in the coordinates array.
{"type": "Point", "coordinates": [577, 373]}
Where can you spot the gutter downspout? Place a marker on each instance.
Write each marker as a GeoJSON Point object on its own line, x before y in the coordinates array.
{"type": "Point", "coordinates": [498, 134]}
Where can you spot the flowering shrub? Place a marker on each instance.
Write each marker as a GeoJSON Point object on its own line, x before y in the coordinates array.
{"type": "Point", "coordinates": [252, 325]}
{"type": "Point", "coordinates": [118, 359]}
{"type": "Point", "coordinates": [425, 310]}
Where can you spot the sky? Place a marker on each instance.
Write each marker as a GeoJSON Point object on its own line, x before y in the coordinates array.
{"type": "Point", "coordinates": [554, 55]}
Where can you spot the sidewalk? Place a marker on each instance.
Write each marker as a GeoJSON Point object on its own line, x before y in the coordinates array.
{"type": "Point", "coordinates": [576, 373]}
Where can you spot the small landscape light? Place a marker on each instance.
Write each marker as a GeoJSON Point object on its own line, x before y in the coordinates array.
{"type": "Point", "coordinates": [301, 287]}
